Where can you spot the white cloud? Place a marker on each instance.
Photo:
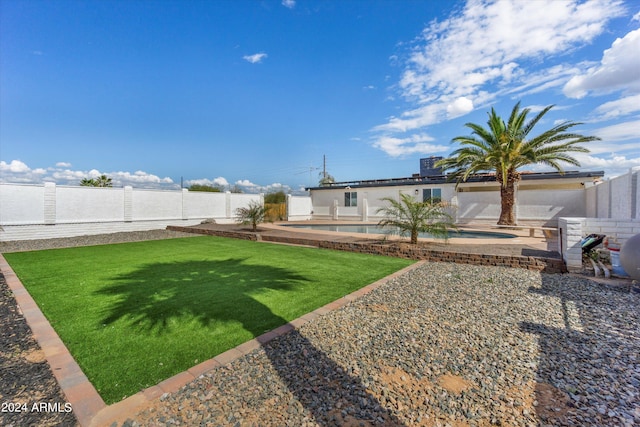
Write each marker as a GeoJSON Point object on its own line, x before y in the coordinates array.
{"type": "Point", "coordinates": [255, 58]}
{"type": "Point", "coordinates": [620, 132]}
{"type": "Point", "coordinates": [487, 50]}
{"type": "Point", "coordinates": [414, 144]}
{"type": "Point", "coordinates": [18, 172]}
{"type": "Point", "coordinates": [271, 188]}
{"type": "Point", "coordinates": [459, 107]}
{"type": "Point", "coordinates": [216, 182]}
{"type": "Point", "coordinates": [618, 70]}
{"type": "Point", "coordinates": [618, 150]}
{"type": "Point", "coordinates": [67, 176]}
{"type": "Point", "coordinates": [138, 178]}
{"type": "Point", "coordinates": [614, 164]}
{"type": "Point", "coordinates": [221, 181]}
{"type": "Point", "coordinates": [16, 166]}
{"type": "Point", "coordinates": [618, 108]}
{"type": "Point", "coordinates": [540, 80]}
{"type": "Point", "coordinates": [289, 3]}
{"type": "Point", "coordinates": [413, 119]}
{"type": "Point", "coordinates": [489, 39]}
{"type": "Point", "coordinates": [245, 183]}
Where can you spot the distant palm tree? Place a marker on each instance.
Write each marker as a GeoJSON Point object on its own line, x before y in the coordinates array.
{"type": "Point", "coordinates": [253, 214]}
{"type": "Point", "coordinates": [411, 217]}
{"type": "Point", "coordinates": [101, 181]}
{"type": "Point", "coordinates": [505, 147]}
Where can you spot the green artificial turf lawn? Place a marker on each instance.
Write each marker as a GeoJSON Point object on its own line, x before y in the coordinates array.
{"type": "Point", "coordinates": [134, 314]}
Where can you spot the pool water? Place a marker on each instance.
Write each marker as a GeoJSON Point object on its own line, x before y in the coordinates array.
{"type": "Point", "coordinates": [374, 229]}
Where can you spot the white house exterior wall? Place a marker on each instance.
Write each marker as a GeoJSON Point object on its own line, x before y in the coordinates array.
{"type": "Point", "coordinates": [369, 200]}
{"type": "Point", "coordinates": [483, 206]}
{"type": "Point", "coordinates": [535, 207]}
{"type": "Point", "coordinates": [549, 205]}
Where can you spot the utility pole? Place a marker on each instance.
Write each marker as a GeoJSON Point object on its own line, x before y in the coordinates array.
{"type": "Point", "coordinates": [324, 167]}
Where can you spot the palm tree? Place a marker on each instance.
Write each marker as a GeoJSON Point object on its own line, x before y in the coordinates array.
{"type": "Point", "coordinates": [411, 217]}
{"type": "Point", "coordinates": [253, 214]}
{"type": "Point", "coordinates": [506, 147]}
{"type": "Point", "coordinates": [101, 181]}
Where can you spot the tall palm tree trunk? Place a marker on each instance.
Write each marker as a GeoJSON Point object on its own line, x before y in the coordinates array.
{"type": "Point", "coordinates": [508, 200]}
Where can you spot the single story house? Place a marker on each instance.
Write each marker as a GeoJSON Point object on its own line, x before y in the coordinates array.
{"type": "Point", "coordinates": [541, 197]}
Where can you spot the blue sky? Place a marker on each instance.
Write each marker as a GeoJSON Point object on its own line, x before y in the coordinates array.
{"type": "Point", "coordinates": [254, 93]}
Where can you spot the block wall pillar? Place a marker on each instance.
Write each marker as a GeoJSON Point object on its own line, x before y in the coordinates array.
{"type": "Point", "coordinates": [128, 204]}
{"type": "Point", "coordinates": [571, 234]}
{"type": "Point", "coordinates": [49, 203]}
{"type": "Point", "coordinates": [185, 207]}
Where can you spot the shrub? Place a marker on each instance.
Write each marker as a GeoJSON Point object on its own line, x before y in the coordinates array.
{"type": "Point", "coordinates": [253, 214]}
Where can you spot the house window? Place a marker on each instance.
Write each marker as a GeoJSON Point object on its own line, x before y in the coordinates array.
{"type": "Point", "coordinates": [432, 195]}
{"type": "Point", "coordinates": [351, 198]}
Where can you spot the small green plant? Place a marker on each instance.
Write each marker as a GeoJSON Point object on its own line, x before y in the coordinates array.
{"type": "Point", "coordinates": [411, 217]}
{"type": "Point", "coordinates": [253, 214]}
{"type": "Point", "coordinates": [594, 255]}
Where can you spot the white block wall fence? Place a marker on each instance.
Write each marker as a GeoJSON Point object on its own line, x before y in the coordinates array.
{"type": "Point", "coordinates": [299, 208]}
{"type": "Point", "coordinates": [617, 198]}
{"type": "Point", "coordinates": [49, 211]}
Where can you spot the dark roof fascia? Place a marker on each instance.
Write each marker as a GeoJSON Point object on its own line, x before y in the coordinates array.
{"type": "Point", "coordinates": [443, 179]}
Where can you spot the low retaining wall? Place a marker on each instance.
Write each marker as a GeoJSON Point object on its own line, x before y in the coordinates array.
{"type": "Point", "coordinates": [222, 233]}
{"type": "Point", "coordinates": [546, 265]}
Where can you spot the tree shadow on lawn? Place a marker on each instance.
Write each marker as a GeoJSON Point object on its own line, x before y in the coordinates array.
{"type": "Point", "coordinates": [207, 291]}
{"type": "Point", "coordinates": [214, 291]}
{"type": "Point", "coordinates": [586, 367]}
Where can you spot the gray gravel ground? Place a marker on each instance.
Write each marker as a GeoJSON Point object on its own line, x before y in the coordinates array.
{"type": "Point", "coordinates": [97, 239]}
{"type": "Point", "coordinates": [443, 345]}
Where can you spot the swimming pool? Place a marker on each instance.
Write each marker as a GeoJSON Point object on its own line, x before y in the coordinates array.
{"type": "Point", "coordinates": [374, 229]}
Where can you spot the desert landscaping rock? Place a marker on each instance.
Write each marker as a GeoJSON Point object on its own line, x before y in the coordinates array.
{"type": "Point", "coordinates": [25, 376]}
{"type": "Point", "coordinates": [442, 345]}
{"type": "Point", "coordinates": [445, 344]}
{"type": "Point", "coordinates": [89, 240]}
